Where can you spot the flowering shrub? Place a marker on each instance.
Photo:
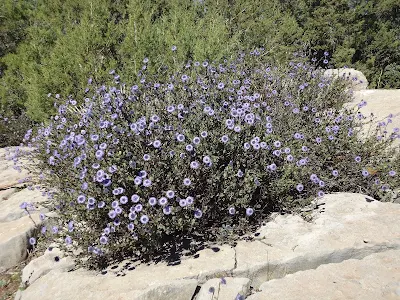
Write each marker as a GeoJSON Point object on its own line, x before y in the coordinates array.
{"type": "Point", "coordinates": [208, 154]}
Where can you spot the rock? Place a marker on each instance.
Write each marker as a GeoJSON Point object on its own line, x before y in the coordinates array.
{"type": "Point", "coordinates": [51, 260]}
{"type": "Point", "coordinates": [10, 209]}
{"type": "Point", "coordinates": [383, 104]}
{"type": "Point", "coordinates": [57, 285]}
{"type": "Point", "coordinates": [14, 240]}
{"type": "Point", "coordinates": [351, 229]}
{"type": "Point", "coordinates": [216, 289]}
{"type": "Point", "coordinates": [289, 244]}
{"type": "Point", "coordinates": [376, 276]}
{"type": "Point", "coordinates": [10, 177]}
{"type": "Point", "coordinates": [5, 194]}
{"type": "Point", "coordinates": [359, 81]}
{"type": "Point", "coordinates": [16, 225]}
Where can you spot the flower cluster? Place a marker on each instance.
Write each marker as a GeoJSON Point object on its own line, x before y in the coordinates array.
{"type": "Point", "coordinates": [214, 145]}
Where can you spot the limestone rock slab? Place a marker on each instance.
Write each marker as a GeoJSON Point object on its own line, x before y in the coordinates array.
{"type": "Point", "coordinates": [382, 103]}
{"type": "Point", "coordinates": [143, 281]}
{"type": "Point", "coordinates": [51, 260]}
{"type": "Point", "coordinates": [349, 227]}
{"type": "Point", "coordinates": [5, 194]}
{"type": "Point", "coordinates": [226, 289]}
{"type": "Point", "coordinates": [14, 237]}
{"type": "Point", "coordinates": [10, 209]}
{"type": "Point", "coordinates": [376, 276]}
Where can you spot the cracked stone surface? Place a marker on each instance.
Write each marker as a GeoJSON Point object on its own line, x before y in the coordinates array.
{"type": "Point", "coordinates": [14, 240]}
{"type": "Point", "coordinates": [349, 229]}
{"type": "Point", "coordinates": [382, 103]}
{"type": "Point", "coordinates": [9, 177]}
{"type": "Point", "coordinates": [223, 289]}
{"type": "Point", "coordinates": [374, 277]}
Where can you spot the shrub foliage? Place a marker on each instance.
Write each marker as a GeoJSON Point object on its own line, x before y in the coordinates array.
{"type": "Point", "coordinates": [201, 154]}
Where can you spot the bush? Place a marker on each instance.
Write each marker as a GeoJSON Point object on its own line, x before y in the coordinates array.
{"type": "Point", "coordinates": [149, 169]}
{"type": "Point", "coordinates": [13, 129]}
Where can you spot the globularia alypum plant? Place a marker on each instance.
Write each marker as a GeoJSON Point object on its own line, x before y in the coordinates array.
{"type": "Point", "coordinates": [134, 170]}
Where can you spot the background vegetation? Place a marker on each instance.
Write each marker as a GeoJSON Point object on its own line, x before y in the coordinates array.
{"type": "Point", "coordinates": [54, 46]}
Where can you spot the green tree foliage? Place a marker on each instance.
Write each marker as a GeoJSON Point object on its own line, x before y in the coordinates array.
{"type": "Point", "coordinates": [54, 46]}
{"type": "Point", "coordinates": [357, 33]}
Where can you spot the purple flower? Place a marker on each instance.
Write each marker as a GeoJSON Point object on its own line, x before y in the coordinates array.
{"type": "Point", "coordinates": [91, 201]}
{"type": "Point", "coordinates": [357, 159]}
{"type": "Point", "coordinates": [32, 241]}
{"type": "Point", "coordinates": [131, 226]}
{"type": "Point", "coordinates": [99, 154]}
{"type": "Point", "coordinates": [112, 214]}
{"type": "Point", "coordinates": [81, 199]}
{"type": "Point", "coordinates": [132, 216]}
{"type": "Point", "coordinates": [335, 173]}
{"type": "Point", "coordinates": [276, 152]}
{"type": "Point", "coordinates": [156, 144]}
{"type": "Point", "coordinates": [194, 165]}
{"type": "Point", "coordinates": [272, 167]}
{"type": "Point", "coordinates": [320, 194]}
{"type": "Point", "coordinates": [144, 219]}
{"type": "Point", "coordinates": [167, 210]}
{"type": "Point", "coordinates": [299, 187]}
{"type": "Point", "coordinates": [170, 194]}
{"type": "Point", "coordinates": [152, 201]}
{"type": "Point", "coordinates": [221, 85]}
{"type": "Point", "coordinates": [392, 173]}
{"type": "Point", "coordinates": [135, 198]}
{"type": "Point", "coordinates": [196, 140]}
{"type": "Point", "coordinates": [162, 201]}
{"type": "Point", "coordinates": [180, 137]}
{"type": "Point", "coordinates": [173, 48]}
{"type": "Point", "coordinates": [206, 159]}
{"type": "Point", "coordinates": [365, 173]}
{"type": "Point", "coordinates": [198, 213]}
{"type": "Point", "coordinates": [123, 199]}
{"type": "Point", "coordinates": [277, 144]}
{"type": "Point", "coordinates": [204, 134]}
{"type": "Point", "coordinates": [147, 182]}
{"type": "Point", "coordinates": [137, 180]}
{"type": "Point", "coordinates": [189, 147]}
{"type": "Point", "coordinates": [146, 157]}
{"type": "Point", "coordinates": [249, 211]}
{"type": "Point", "coordinates": [138, 207]}
{"type": "Point", "coordinates": [229, 122]}
{"type": "Point", "coordinates": [231, 210]}
{"type": "Point", "coordinates": [224, 139]}
{"type": "Point", "coordinates": [187, 181]}
{"type": "Point", "coordinates": [155, 118]}
{"type": "Point", "coordinates": [189, 200]}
